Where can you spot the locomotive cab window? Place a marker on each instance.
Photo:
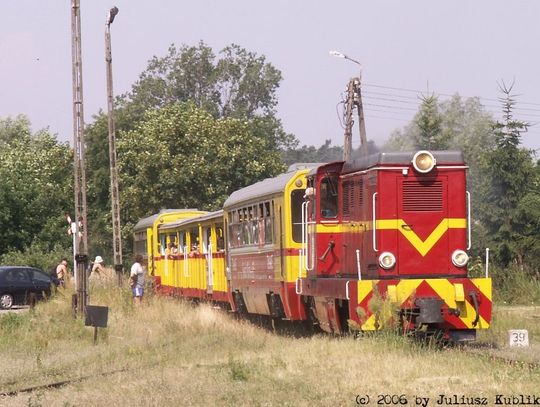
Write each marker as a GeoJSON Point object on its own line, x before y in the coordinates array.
{"type": "Point", "coordinates": [328, 198]}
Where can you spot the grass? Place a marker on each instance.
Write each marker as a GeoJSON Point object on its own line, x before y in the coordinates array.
{"type": "Point", "coordinates": [171, 353]}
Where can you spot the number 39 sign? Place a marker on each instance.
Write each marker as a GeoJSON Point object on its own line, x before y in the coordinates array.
{"type": "Point", "coordinates": [518, 337]}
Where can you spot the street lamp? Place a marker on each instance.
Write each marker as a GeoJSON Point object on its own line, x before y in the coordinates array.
{"type": "Point", "coordinates": [115, 199]}
{"type": "Point", "coordinates": [354, 98]}
{"type": "Point", "coordinates": [112, 13]}
{"type": "Point", "coordinates": [338, 54]}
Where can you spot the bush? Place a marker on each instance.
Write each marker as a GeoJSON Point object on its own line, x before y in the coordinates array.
{"type": "Point", "coordinates": [513, 285]}
{"type": "Point", "coordinates": [36, 256]}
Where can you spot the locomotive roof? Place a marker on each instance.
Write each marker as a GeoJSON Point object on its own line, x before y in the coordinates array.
{"type": "Point", "coordinates": [201, 218]}
{"type": "Point", "coordinates": [149, 220]}
{"type": "Point", "coordinates": [443, 157]}
{"type": "Point", "coordinates": [268, 186]}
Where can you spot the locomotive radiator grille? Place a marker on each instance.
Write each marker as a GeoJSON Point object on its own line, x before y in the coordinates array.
{"type": "Point", "coordinates": [422, 197]}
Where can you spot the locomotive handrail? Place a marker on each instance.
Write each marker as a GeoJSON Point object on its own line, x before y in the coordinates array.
{"type": "Point", "coordinates": [468, 220]}
{"type": "Point", "coordinates": [307, 253]}
{"type": "Point", "coordinates": [358, 264]}
{"type": "Point", "coordinates": [374, 225]}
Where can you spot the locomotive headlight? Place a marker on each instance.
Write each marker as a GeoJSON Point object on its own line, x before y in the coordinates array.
{"type": "Point", "coordinates": [423, 161]}
{"type": "Point", "coordinates": [387, 260]}
{"type": "Point", "coordinates": [460, 258]}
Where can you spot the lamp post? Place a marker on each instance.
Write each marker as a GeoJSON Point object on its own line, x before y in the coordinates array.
{"type": "Point", "coordinates": [338, 54]}
{"type": "Point", "coordinates": [115, 201]}
{"type": "Point", "coordinates": [354, 98]}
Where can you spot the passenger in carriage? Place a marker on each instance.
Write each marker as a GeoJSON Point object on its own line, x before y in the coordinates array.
{"type": "Point", "coordinates": [194, 250]}
{"type": "Point", "coordinates": [171, 249]}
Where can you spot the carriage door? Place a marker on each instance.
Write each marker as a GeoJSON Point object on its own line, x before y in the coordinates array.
{"type": "Point", "coordinates": [207, 250]}
{"type": "Point", "coordinates": [422, 226]}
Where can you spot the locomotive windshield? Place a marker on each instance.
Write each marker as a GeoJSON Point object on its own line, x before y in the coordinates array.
{"type": "Point", "coordinates": [328, 198]}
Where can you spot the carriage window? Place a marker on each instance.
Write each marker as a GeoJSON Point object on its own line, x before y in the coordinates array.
{"type": "Point", "coordinates": [328, 198]}
{"type": "Point", "coordinates": [207, 238]}
{"type": "Point", "coordinates": [194, 240]}
{"type": "Point", "coordinates": [220, 242]}
{"type": "Point", "coordinates": [162, 243]}
{"type": "Point", "coordinates": [182, 242]}
{"type": "Point", "coordinates": [253, 226]}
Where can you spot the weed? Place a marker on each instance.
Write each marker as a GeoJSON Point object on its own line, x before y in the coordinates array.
{"type": "Point", "coordinates": [11, 322]}
{"type": "Point", "coordinates": [238, 370]}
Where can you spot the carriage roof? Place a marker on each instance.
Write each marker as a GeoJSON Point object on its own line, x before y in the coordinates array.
{"type": "Point", "coordinates": [266, 187]}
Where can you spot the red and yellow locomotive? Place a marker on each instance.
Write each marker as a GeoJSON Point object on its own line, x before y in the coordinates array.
{"type": "Point", "coordinates": [380, 241]}
{"type": "Point", "coordinates": [385, 242]}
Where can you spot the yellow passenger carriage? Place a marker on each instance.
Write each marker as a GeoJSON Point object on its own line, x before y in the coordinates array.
{"type": "Point", "coordinates": [145, 241]}
{"type": "Point", "coordinates": [193, 263]}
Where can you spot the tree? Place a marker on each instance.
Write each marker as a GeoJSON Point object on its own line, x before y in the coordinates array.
{"type": "Point", "coordinates": [11, 129]}
{"type": "Point", "coordinates": [324, 154]}
{"type": "Point", "coordinates": [429, 122]}
{"type": "Point", "coordinates": [425, 130]}
{"type": "Point", "coordinates": [36, 188]}
{"type": "Point", "coordinates": [509, 179]}
{"type": "Point", "coordinates": [239, 84]}
{"type": "Point", "coordinates": [312, 154]}
{"type": "Point", "coordinates": [235, 84]}
{"type": "Point", "coordinates": [181, 156]}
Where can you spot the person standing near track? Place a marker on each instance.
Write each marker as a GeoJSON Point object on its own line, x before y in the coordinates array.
{"type": "Point", "coordinates": [136, 279]}
{"type": "Point", "coordinates": [62, 272]}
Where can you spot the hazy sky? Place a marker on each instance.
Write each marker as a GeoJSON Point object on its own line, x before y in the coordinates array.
{"type": "Point", "coordinates": [404, 46]}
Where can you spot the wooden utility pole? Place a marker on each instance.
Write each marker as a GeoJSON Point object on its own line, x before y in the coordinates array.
{"type": "Point", "coordinates": [115, 196]}
{"type": "Point", "coordinates": [80, 241]}
{"type": "Point", "coordinates": [347, 141]}
{"type": "Point", "coordinates": [354, 99]}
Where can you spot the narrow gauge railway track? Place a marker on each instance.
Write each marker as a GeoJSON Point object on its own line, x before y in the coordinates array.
{"type": "Point", "coordinates": [58, 384]}
{"type": "Point", "coordinates": [485, 350]}
{"type": "Point", "coordinates": [62, 383]}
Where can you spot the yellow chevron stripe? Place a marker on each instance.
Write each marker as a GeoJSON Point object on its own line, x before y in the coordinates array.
{"type": "Point", "coordinates": [444, 289]}
{"type": "Point", "coordinates": [369, 325]}
{"type": "Point", "coordinates": [484, 285]}
{"type": "Point", "coordinates": [364, 289]}
{"type": "Point", "coordinates": [423, 246]}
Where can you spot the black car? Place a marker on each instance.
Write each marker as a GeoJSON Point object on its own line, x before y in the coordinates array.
{"type": "Point", "coordinates": [18, 283]}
